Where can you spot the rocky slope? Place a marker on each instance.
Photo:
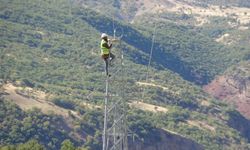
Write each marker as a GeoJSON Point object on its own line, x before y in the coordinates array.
{"type": "Point", "coordinates": [200, 10]}
{"type": "Point", "coordinates": [233, 87]}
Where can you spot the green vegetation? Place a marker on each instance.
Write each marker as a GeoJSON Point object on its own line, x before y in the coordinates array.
{"type": "Point", "coordinates": [49, 130]}
{"type": "Point", "coordinates": [30, 145]}
{"type": "Point", "coordinates": [185, 49]}
{"type": "Point", "coordinates": [195, 56]}
{"type": "Point", "coordinates": [47, 46]}
{"type": "Point", "coordinates": [67, 145]}
{"type": "Point", "coordinates": [21, 126]}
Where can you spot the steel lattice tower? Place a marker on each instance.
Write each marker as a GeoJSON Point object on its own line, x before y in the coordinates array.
{"type": "Point", "coordinates": [115, 109]}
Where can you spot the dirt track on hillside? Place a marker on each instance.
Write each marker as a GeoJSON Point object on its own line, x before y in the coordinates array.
{"type": "Point", "coordinates": [26, 103]}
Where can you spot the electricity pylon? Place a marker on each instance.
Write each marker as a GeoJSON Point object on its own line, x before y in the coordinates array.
{"type": "Point", "coordinates": [115, 110]}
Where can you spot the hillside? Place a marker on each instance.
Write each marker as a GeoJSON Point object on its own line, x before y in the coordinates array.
{"type": "Point", "coordinates": [26, 100]}
{"type": "Point", "coordinates": [179, 24]}
{"type": "Point", "coordinates": [51, 48]}
{"type": "Point", "coordinates": [132, 10]}
{"type": "Point", "coordinates": [29, 102]}
{"type": "Point", "coordinates": [233, 87]}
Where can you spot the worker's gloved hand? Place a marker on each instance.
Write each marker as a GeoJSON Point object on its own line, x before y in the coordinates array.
{"type": "Point", "coordinates": [110, 42]}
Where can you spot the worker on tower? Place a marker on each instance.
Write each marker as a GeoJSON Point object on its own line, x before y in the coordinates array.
{"type": "Point", "coordinates": [107, 56]}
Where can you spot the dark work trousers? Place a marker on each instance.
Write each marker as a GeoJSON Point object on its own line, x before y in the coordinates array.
{"type": "Point", "coordinates": [107, 59]}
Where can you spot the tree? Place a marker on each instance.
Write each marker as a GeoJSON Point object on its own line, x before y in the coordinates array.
{"type": "Point", "coordinates": [67, 145]}
{"type": "Point", "coordinates": [10, 147]}
{"type": "Point", "coordinates": [31, 145]}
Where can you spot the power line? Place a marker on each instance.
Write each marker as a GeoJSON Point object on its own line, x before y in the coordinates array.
{"type": "Point", "coordinates": [150, 59]}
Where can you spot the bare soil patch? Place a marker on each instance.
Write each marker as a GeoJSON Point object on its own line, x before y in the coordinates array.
{"type": "Point", "coordinates": [223, 89]}
{"type": "Point", "coordinates": [25, 102]}
{"type": "Point", "coordinates": [148, 107]}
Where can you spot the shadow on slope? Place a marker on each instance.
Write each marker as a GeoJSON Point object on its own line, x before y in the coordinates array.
{"type": "Point", "coordinates": [240, 123]}
{"type": "Point", "coordinates": [164, 140]}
